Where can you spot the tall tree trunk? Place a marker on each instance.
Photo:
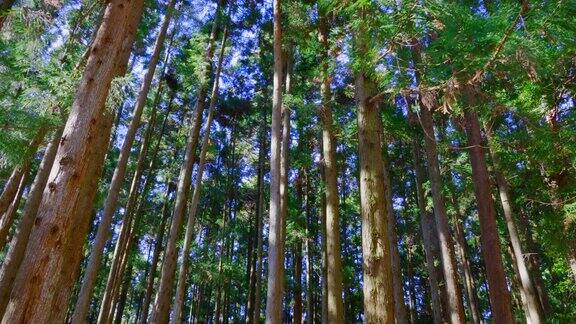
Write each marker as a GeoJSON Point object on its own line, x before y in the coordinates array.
{"type": "Point", "coordinates": [164, 296]}
{"type": "Point", "coordinates": [429, 233]}
{"type": "Point", "coordinates": [252, 315]}
{"type": "Point", "coordinates": [498, 290]}
{"type": "Point", "coordinates": [110, 204]}
{"type": "Point", "coordinates": [333, 249]}
{"type": "Point", "coordinates": [15, 253]}
{"type": "Point", "coordinates": [63, 221]}
{"type": "Point", "coordinates": [378, 286]}
{"type": "Point", "coordinates": [399, 306]}
{"type": "Point", "coordinates": [156, 253]}
{"type": "Point", "coordinates": [534, 263]}
{"type": "Point", "coordinates": [12, 186]}
{"type": "Point", "coordinates": [123, 295]}
{"type": "Point", "coordinates": [181, 288]}
{"type": "Point", "coordinates": [532, 304]}
{"type": "Point", "coordinates": [455, 308]}
{"type": "Point", "coordinates": [308, 252]}
{"type": "Point", "coordinates": [275, 243]}
{"type": "Point", "coordinates": [8, 218]}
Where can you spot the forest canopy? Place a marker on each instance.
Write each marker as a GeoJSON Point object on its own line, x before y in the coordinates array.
{"type": "Point", "coordinates": [285, 161]}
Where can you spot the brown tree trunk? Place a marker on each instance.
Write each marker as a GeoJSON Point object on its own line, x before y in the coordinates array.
{"type": "Point", "coordinates": [429, 233]}
{"type": "Point", "coordinates": [532, 304]}
{"type": "Point", "coordinates": [252, 311]}
{"type": "Point", "coordinates": [181, 288]}
{"type": "Point", "coordinates": [297, 316]}
{"type": "Point", "coordinates": [378, 286]}
{"type": "Point", "coordinates": [62, 220]}
{"type": "Point", "coordinates": [461, 249]}
{"type": "Point", "coordinates": [103, 233]}
{"type": "Point", "coordinates": [275, 237]}
{"type": "Point", "coordinates": [333, 250]}
{"type": "Point", "coordinates": [156, 254]}
{"type": "Point", "coordinates": [455, 308]}
{"type": "Point", "coordinates": [18, 244]}
{"type": "Point", "coordinates": [161, 311]}
{"type": "Point", "coordinates": [498, 290]}
{"type": "Point", "coordinates": [399, 306]}
{"type": "Point", "coordinates": [123, 295]}
{"type": "Point", "coordinates": [8, 218]}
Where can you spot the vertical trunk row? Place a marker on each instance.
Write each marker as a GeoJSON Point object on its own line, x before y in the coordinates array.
{"type": "Point", "coordinates": [164, 295]}
{"type": "Point", "coordinates": [181, 288]}
{"type": "Point", "coordinates": [110, 204]}
{"type": "Point", "coordinates": [8, 217]}
{"type": "Point", "coordinates": [333, 250]}
{"type": "Point", "coordinates": [378, 286]}
{"type": "Point", "coordinates": [455, 309]}
{"type": "Point", "coordinates": [498, 290]}
{"type": "Point", "coordinates": [62, 220]}
{"type": "Point", "coordinates": [275, 236]}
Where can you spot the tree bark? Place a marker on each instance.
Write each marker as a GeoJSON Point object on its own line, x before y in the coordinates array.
{"type": "Point", "coordinates": [455, 308]}
{"type": "Point", "coordinates": [8, 219]}
{"type": "Point", "coordinates": [117, 181]}
{"type": "Point", "coordinates": [18, 244]}
{"type": "Point", "coordinates": [275, 237]}
{"type": "Point", "coordinates": [532, 305]}
{"type": "Point", "coordinates": [62, 220]}
{"type": "Point", "coordinates": [378, 286]}
{"type": "Point", "coordinates": [333, 249]}
{"type": "Point", "coordinates": [429, 232]}
{"type": "Point", "coordinates": [164, 296]}
{"type": "Point", "coordinates": [156, 254]}
{"type": "Point", "coordinates": [498, 290]}
{"type": "Point", "coordinates": [181, 288]}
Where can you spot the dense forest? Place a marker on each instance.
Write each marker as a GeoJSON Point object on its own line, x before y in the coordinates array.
{"type": "Point", "coordinates": [287, 161]}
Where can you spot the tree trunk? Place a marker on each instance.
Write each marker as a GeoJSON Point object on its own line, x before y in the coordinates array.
{"type": "Point", "coordinates": [62, 221]}
{"type": "Point", "coordinates": [15, 253]}
{"type": "Point", "coordinates": [275, 243]}
{"type": "Point", "coordinates": [117, 181]}
{"type": "Point", "coordinates": [532, 304]}
{"type": "Point", "coordinates": [399, 306]}
{"type": "Point", "coordinates": [156, 254]}
{"type": "Point", "coordinates": [461, 248]}
{"type": "Point", "coordinates": [12, 186]}
{"type": "Point", "coordinates": [455, 309]}
{"type": "Point", "coordinates": [181, 288]}
{"type": "Point", "coordinates": [308, 252]}
{"type": "Point", "coordinates": [498, 290]}
{"type": "Point", "coordinates": [8, 219]}
{"type": "Point", "coordinates": [429, 233]}
{"type": "Point", "coordinates": [333, 250]}
{"type": "Point", "coordinates": [378, 286]}
{"type": "Point", "coordinates": [164, 296]}
{"type": "Point", "coordinates": [252, 311]}
{"type": "Point", "coordinates": [123, 295]}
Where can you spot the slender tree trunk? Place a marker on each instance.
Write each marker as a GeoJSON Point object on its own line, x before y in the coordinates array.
{"type": "Point", "coordinates": [498, 290]}
{"type": "Point", "coordinates": [18, 244]}
{"type": "Point", "coordinates": [73, 180]}
{"type": "Point", "coordinates": [323, 258]}
{"type": "Point", "coordinates": [455, 309]}
{"type": "Point", "coordinates": [156, 254]}
{"type": "Point", "coordinates": [429, 234]}
{"type": "Point", "coordinates": [461, 248]}
{"type": "Point", "coordinates": [378, 286]}
{"type": "Point", "coordinates": [8, 219]}
{"type": "Point", "coordinates": [12, 186]}
{"type": "Point", "coordinates": [181, 288]}
{"type": "Point", "coordinates": [123, 295]}
{"type": "Point", "coordinates": [252, 315]}
{"type": "Point", "coordinates": [399, 306]}
{"type": "Point", "coordinates": [110, 204]}
{"type": "Point", "coordinates": [534, 263]}
{"type": "Point", "coordinates": [164, 296]}
{"type": "Point", "coordinates": [333, 250]}
{"type": "Point", "coordinates": [308, 252]}
{"type": "Point", "coordinates": [533, 307]}
{"type": "Point", "coordinates": [275, 243]}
